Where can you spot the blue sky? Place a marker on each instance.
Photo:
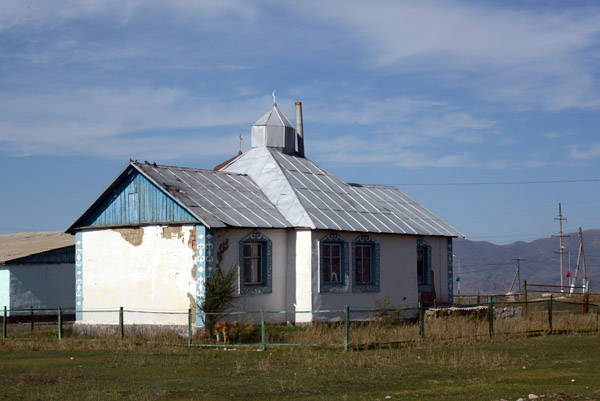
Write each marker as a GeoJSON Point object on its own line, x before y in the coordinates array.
{"type": "Point", "coordinates": [414, 94]}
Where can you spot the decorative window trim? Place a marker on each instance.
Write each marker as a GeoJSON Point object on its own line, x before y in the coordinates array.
{"type": "Point", "coordinates": [344, 285]}
{"type": "Point", "coordinates": [422, 244]}
{"type": "Point", "coordinates": [365, 239]}
{"type": "Point", "coordinates": [450, 273]}
{"type": "Point", "coordinates": [267, 263]}
{"type": "Point", "coordinates": [78, 276]}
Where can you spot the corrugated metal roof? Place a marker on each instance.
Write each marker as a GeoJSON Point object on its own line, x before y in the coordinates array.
{"type": "Point", "coordinates": [217, 198]}
{"type": "Point", "coordinates": [318, 199]}
{"type": "Point", "coordinates": [20, 245]}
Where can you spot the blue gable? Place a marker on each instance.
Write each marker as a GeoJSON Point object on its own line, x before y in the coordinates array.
{"type": "Point", "coordinates": [136, 200]}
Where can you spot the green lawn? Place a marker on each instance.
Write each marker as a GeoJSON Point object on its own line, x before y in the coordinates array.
{"type": "Point", "coordinates": [557, 367]}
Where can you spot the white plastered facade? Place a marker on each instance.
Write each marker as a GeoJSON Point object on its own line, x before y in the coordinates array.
{"type": "Point", "coordinates": [155, 271]}
{"type": "Point", "coordinates": [149, 268]}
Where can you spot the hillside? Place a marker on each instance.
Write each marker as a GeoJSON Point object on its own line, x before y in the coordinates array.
{"type": "Point", "coordinates": [486, 267]}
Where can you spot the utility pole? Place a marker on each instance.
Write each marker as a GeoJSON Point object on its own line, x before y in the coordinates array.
{"type": "Point", "coordinates": [580, 256]}
{"type": "Point", "coordinates": [517, 274]}
{"type": "Point", "coordinates": [561, 249]}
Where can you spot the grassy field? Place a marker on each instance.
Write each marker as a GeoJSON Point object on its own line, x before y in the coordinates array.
{"type": "Point", "coordinates": [558, 367]}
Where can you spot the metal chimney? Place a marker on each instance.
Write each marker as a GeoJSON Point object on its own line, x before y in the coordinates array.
{"type": "Point", "coordinates": [299, 128]}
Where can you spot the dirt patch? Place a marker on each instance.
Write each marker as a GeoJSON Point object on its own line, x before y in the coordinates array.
{"type": "Point", "coordinates": [135, 236]}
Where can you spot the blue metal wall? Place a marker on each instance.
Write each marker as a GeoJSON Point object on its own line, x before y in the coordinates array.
{"type": "Point", "coordinates": [138, 201]}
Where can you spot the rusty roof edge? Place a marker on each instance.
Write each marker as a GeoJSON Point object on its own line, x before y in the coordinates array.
{"type": "Point", "coordinates": [226, 163]}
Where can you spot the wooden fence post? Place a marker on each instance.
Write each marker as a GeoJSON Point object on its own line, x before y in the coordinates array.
{"type": "Point", "coordinates": [4, 323]}
{"type": "Point", "coordinates": [526, 301]}
{"type": "Point", "coordinates": [60, 328]}
{"type": "Point", "coordinates": [491, 312]}
{"type": "Point", "coordinates": [263, 333]}
{"type": "Point", "coordinates": [421, 322]}
{"type": "Point", "coordinates": [189, 328]}
{"type": "Point", "coordinates": [346, 327]}
{"type": "Point", "coordinates": [121, 328]}
{"type": "Point", "coordinates": [550, 314]}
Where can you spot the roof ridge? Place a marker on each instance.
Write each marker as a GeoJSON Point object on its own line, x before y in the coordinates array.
{"type": "Point", "coordinates": [188, 168]}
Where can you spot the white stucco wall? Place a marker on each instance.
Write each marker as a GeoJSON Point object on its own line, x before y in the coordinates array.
{"type": "Point", "coordinates": [279, 298]}
{"type": "Point", "coordinates": [304, 276]}
{"type": "Point", "coordinates": [4, 287]}
{"type": "Point", "coordinates": [398, 276]}
{"type": "Point", "coordinates": [150, 268]}
{"type": "Point", "coordinates": [38, 286]}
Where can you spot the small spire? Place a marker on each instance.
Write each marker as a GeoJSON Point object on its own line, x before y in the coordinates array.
{"type": "Point", "coordinates": [274, 98]}
{"type": "Point", "coordinates": [241, 139]}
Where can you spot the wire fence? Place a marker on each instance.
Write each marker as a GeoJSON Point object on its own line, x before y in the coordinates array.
{"type": "Point", "coordinates": [347, 328]}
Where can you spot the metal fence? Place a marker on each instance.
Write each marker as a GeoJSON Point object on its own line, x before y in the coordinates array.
{"type": "Point", "coordinates": [355, 328]}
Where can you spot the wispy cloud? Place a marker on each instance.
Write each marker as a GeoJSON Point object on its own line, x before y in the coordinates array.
{"type": "Point", "coordinates": [112, 122]}
{"type": "Point", "coordinates": [591, 152]}
{"type": "Point", "coordinates": [536, 58]}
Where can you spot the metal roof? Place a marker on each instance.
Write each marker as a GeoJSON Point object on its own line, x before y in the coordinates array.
{"type": "Point", "coordinates": [20, 245]}
{"type": "Point", "coordinates": [218, 199]}
{"type": "Point", "coordinates": [275, 118]}
{"type": "Point", "coordinates": [309, 196]}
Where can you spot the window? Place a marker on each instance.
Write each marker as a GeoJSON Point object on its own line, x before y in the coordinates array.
{"type": "Point", "coordinates": [362, 262]}
{"type": "Point", "coordinates": [255, 264]}
{"type": "Point", "coordinates": [423, 265]}
{"type": "Point", "coordinates": [332, 263]}
{"type": "Point", "coordinates": [333, 258]}
{"type": "Point", "coordinates": [365, 264]}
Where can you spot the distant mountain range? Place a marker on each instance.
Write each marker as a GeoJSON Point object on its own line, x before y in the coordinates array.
{"type": "Point", "coordinates": [489, 268]}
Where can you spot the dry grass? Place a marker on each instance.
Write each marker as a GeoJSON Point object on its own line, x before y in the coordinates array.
{"type": "Point", "coordinates": [521, 322]}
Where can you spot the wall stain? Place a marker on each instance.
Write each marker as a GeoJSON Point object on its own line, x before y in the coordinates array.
{"type": "Point", "coordinates": [192, 302]}
{"type": "Point", "coordinates": [172, 232]}
{"type": "Point", "coordinates": [223, 246]}
{"type": "Point", "coordinates": [192, 240]}
{"type": "Point", "coordinates": [135, 236]}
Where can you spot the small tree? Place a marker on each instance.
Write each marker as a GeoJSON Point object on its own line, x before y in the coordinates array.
{"type": "Point", "coordinates": [219, 295]}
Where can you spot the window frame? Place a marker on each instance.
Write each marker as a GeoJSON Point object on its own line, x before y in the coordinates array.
{"type": "Point", "coordinates": [343, 284]}
{"type": "Point", "coordinates": [365, 241]}
{"type": "Point", "coordinates": [266, 258]}
{"type": "Point", "coordinates": [259, 256]}
{"type": "Point", "coordinates": [422, 245]}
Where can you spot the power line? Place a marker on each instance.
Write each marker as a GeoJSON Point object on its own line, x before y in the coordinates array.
{"type": "Point", "coordinates": [496, 183]}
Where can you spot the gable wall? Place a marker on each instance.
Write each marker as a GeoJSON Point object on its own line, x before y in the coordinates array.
{"type": "Point", "coordinates": [138, 201]}
{"type": "Point", "coordinates": [144, 268]}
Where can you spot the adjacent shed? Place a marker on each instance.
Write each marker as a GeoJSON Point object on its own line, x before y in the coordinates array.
{"type": "Point", "coordinates": [37, 270]}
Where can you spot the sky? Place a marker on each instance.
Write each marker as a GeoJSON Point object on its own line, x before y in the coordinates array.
{"type": "Point", "coordinates": [484, 112]}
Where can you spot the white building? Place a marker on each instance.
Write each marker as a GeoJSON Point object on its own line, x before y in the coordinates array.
{"type": "Point", "coordinates": [37, 271]}
{"type": "Point", "coordinates": [301, 238]}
